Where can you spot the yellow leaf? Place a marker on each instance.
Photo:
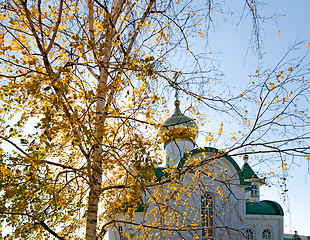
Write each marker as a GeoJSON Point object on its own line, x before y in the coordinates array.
{"type": "Point", "coordinates": [279, 34]}
{"type": "Point", "coordinates": [257, 71]}
{"type": "Point", "coordinates": [290, 69]}
{"type": "Point", "coordinates": [242, 94]}
{"type": "Point", "coordinates": [220, 131]}
{"type": "Point", "coordinates": [272, 86]}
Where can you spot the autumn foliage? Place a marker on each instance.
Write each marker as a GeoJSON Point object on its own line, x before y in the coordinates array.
{"type": "Point", "coordinates": [84, 85]}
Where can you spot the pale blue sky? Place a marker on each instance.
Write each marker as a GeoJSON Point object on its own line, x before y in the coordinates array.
{"type": "Point", "coordinates": [230, 43]}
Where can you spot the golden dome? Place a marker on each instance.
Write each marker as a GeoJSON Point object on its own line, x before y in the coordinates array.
{"type": "Point", "coordinates": [178, 126]}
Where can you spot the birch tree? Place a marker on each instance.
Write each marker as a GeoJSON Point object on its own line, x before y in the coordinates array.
{"type": "Point", "coordinates": [84, 85]}
{"type": "Point", "coordinates": [87, 75]}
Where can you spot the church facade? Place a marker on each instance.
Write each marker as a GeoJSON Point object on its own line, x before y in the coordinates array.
{"type": "Point", "coordinates": [212, 197]}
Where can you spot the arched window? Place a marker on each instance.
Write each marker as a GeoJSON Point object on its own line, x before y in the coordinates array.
{"type": "Point", "coordinates": [207, 216]}
{"type": "Point", "coordinates": [267, 234]}
{"type": "Point", "coordinates": [249, 234]}
{"type": "Point", "coordinates": [254, 190]}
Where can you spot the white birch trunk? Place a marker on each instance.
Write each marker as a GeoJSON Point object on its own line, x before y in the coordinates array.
{"type": "Point", "coordinates": [102, 102]}
{"type": "Point", "coordinates": [105, 98]}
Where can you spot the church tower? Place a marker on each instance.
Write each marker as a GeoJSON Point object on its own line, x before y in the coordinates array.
{"type": "Point", "coordinates": [252, 193]}
{"type": "Point", "coordinates": [178, 134]}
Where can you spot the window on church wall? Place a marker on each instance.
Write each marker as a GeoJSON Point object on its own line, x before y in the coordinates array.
{"type": "Point", "coordinates": [266, 234]}
{"type": "Point", "coordinates": [249, 234]}
{"type": "Point", "coordinates": [207, 216]}
{"type": "Point", "coordinates": [254, 190]}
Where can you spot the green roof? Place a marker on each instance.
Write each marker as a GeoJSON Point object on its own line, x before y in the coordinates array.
{"type": "Point", "coordinates": [139, 208]}
{"type": "Point", "coordinates": [247, 172]}
{"type": "Point", "coordinates": [159, 173]}
{"type": "Point", "coordinates": [214, 150]}
{"type": "Point", "coordinates": [264, 208]}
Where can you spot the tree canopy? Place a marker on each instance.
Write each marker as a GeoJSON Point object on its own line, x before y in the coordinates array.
{"type": "Point", "coordinates": [84, 92]}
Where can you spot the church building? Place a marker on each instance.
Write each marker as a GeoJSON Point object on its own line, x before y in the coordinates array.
{"type": "Point", "coordinates": [211, 196]}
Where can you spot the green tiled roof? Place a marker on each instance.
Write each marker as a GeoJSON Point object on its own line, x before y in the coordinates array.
{"type": "Point", "coordinates": [247, 172]}
{"type": "Point", "coordinates": [159, 173]}
{"type": "Point", "coordinates": [214, 150]}
{"type": "Point", "coordinates": [139, 208]}
{"type": "Point", "coordinates": [264, 208]}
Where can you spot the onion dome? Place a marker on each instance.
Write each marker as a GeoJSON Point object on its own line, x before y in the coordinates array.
{"type": "Point", "coordinates": [179, 126]}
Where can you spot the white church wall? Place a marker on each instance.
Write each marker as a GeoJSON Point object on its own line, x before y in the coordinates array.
{"type": "Point", "coordinates": [248, 195]}
{"type": "Point", "coordinates": [123, 225]}
{"type": "Point", "coordinates": [223, 182]}
{"type": "Point", "coordinates": [218, 177]}
{"type": "Point", "coordinates": [229, 209]}
{"type": "Point", "coordinates": [260, 222]}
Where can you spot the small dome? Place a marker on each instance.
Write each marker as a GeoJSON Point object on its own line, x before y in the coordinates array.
{"type": "Point", "coordinates": [179, 126]}
{"type": "Point", "coordinates": [245, 158]}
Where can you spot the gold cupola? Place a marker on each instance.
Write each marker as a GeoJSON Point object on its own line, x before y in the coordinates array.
{"type": "Point", "coordinates": [179, 126]}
